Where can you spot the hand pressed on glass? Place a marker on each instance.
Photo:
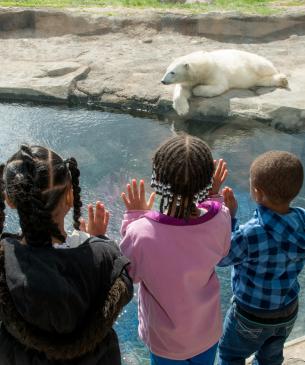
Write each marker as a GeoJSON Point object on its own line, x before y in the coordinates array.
{"type": "Point", "coordinates": [135, 198]}
{"type": "Point", "coordinates": [230, 201]}
{"type": "Point", "coordinates": [97, 220]}
{"type": "Point", "coordinates": [220, 175]}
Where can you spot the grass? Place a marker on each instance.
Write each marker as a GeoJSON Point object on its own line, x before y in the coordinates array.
{"type": "Point", "coordinates": [246, 6]}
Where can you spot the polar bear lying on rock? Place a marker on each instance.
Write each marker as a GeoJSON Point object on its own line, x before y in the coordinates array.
{"type": "Point", "coordinates": [210, 74]}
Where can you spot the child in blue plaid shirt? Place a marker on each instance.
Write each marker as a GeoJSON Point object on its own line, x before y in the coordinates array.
{"type": "Point", "coordinates": [267, 254]}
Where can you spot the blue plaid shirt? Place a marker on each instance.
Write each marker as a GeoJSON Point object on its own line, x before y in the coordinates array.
{"type": "Point", "coordinates": [268, 253]}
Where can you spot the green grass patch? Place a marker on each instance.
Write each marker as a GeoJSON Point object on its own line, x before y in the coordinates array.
{"type": "Point", "coordinates": [246, 6]}
{"type": "Point", "coordinates": [291, 3]}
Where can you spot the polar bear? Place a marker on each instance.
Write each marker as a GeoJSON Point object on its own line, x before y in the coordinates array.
{"type": "Point", "coordinates": [210, 74]}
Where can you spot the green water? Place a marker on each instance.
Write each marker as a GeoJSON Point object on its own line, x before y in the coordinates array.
{"type": "Point", "coordinates": [113, 148]}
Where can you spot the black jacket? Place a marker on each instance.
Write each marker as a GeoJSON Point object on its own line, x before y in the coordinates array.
{"type": "Point", "coordinates": [57, 306]}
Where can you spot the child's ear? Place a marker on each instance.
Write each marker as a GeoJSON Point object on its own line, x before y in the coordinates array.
{"type": "Point", "coordinates": [9, 202]}
{"type": "Point", "coordinates": [259, 195]}
{"type": "Point", "coordinates": [69, 197]}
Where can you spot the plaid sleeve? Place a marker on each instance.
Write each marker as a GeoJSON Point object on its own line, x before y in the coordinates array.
{"type": "Point", "coordinates": [239, 246]}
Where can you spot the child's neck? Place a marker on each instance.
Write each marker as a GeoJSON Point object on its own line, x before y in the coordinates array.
{"type": "Point", "coordinates": [61, 227]}
{"type": "Point", "coordinates": [54, 239]}
{"type": "Point", "coordinates": [263, 199]}
{"type": "Point", "coordinates": [277, 208]}
{"type": "Point", "coordinates": [194, 214]}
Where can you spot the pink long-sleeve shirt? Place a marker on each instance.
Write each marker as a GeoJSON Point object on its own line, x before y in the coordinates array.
{"type": "Point", "coordinates": [173, 261]}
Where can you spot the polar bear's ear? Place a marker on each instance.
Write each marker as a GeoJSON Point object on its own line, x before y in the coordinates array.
{"type": "Point", "coordinates": [186, 66]}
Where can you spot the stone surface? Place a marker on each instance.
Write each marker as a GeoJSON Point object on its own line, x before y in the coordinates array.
{"type": "Point", "coordinates": [45, 79]}
{"type": "Point", "coordinates": [294, 352]}
{"type": "Point", "coordinates": [117, 62]}
{"type": "Point", "coordinates": [294, 361]}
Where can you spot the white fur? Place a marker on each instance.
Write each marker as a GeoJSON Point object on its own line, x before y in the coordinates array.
{"type": "Point", "coordinates": [210, 74]}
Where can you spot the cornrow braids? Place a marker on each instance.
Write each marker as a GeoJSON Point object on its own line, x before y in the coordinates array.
{"type": "Point", "coordinates": [35, 179]}
{"type": "Point", "coordinates": [183, 169]}
{"type": "Point", "coordinates": [74, 171]}
{"type": "Point", "coordinates": [2, 203]}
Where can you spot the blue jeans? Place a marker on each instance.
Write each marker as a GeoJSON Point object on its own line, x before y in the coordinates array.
{"type": "Point", "coordinates": [241, 338]}
{"type": "Point", "coordinates": [205, 358]}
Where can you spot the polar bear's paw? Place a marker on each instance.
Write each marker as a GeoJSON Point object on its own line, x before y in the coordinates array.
{"type": "Point", "coordinates": [181, 106]}
{"type": "Point", "coordinates": [281, 81]}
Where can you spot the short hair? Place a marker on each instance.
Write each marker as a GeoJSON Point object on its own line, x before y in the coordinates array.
{"type": "Point", "coordinates": [279, 174]}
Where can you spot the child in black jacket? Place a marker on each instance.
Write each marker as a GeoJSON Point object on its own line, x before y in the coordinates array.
{"type": "Point", "coordinates": [57, 303]}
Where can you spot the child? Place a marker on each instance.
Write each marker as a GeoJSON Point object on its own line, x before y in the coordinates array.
{"type": "Point", "coordinates": [268, 253]}
{"type": "Point", "coordinates": [57, 306]}
{"type": "Point", "coordinates": [174, 252]}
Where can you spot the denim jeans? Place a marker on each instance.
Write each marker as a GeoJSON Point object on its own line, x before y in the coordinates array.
{"type": "Point", "coordinates": [241, 338]}
{"type": "Point", "coordinates": [205, 358]}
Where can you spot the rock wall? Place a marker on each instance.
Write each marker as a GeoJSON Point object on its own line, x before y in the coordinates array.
{"type": "Point", "coordinates": [218, 26]}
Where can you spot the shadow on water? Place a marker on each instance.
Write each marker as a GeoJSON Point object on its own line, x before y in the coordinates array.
{"type": "Point", "coordinates": [113, 148]}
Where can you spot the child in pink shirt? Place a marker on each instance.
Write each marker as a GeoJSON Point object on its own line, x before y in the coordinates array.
{"type": "Point", "coordinates": [174, 252]}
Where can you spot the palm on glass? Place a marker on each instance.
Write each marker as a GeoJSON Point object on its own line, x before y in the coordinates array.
{"type": "Point", "coordinates": [230, 201]}
{"type": "Point", "coordinates": [135, 199]}
{"type": "Point", "coordinates": [220, 175]}
{"type": "Point", "coordinates": [97, 220]}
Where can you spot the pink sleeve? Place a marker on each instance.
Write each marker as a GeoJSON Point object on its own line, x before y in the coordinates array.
{"type": "Point", "coordinates": [132, 253]}
{"type": "Point", "coordinates": [128, 244]}
{"type": "Point", "coordinates": [129, 217]}
{"type": "Point", "coordinates": [227, 244]}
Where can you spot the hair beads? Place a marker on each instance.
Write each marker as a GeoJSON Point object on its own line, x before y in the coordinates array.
{"type": "Point", "coordinates": [182, 174]}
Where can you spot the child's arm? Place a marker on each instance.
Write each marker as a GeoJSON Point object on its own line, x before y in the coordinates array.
{"type": "Point", "coordinates": [136, 205]}
{"type": "Point", "coordinates": [131, 250]}
{"type": "Point", "coordinates": [239, 244]}
{"type": "Point", "coordinates": [238, 250]}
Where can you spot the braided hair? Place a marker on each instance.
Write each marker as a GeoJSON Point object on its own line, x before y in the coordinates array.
{"type": "Point", "coordinates": [183, 169]}
{"type": "Point", "coordinates": [35, 179]}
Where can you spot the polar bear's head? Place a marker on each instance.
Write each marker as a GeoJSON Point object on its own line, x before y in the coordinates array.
{"type": "Point", "coordinates": [189, 69]}
{"type": "Point", "coordinates": [176, 73]}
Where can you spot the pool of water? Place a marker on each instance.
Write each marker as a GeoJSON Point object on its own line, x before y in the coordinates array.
{"type": "Point", "coordinates": [112, 148]}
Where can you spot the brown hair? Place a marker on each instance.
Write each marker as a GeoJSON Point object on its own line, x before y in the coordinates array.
{"type": "Point", "coordinates": [279, 174]}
